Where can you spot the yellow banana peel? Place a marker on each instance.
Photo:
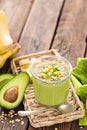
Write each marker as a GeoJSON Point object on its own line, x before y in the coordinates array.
{"type": "Point", "coordinates": [3, 50]}
{"type": "Point", "coordinates": [5, 38]}
{"type": "Point", "coordinates": [13, 49]}
{"type": "Point", "coordinates": [4, 57]}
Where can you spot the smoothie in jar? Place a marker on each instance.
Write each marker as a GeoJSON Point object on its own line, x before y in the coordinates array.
{"type": "Point", "coordinates": [51, 79]}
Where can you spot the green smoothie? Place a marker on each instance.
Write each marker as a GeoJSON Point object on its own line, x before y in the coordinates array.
{"type": "Point", "coordinates": [51, 80]}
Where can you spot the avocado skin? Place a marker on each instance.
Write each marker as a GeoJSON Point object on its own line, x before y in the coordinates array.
{"type": "Point", "coordinates": [21, 80]}
{"type": "Point", "coordinates": [4, 78]}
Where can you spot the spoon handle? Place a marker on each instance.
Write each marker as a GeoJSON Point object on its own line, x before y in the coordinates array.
{"type": "Point", "coordinates": [27, 113]}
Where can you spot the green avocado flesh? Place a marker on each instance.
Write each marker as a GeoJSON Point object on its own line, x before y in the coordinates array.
{"type": "Point", "coordinates": [20, 82]}
{"type": "Point", "coordinates": [4, 78]}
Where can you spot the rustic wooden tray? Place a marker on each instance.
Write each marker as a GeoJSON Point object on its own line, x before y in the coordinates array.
{"type": "Point", "coordinates": [52, 116]}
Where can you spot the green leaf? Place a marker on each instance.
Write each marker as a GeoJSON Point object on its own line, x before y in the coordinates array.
{"type": "Point", "coordinates": [82, 92]}
{"type": "Point", "coordinates": [76, 83]}
{"type": "Point", "coordinates": [81, 70]}
{"type": "Point", "coordinates": [83, 121]}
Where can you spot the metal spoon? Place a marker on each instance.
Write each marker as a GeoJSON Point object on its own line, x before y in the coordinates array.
{"type": "Point", "coordinates": [62, 109]}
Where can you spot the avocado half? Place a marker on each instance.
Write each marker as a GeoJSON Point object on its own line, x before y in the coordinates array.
{"type": "Point", "coordinates": [4, 78]}
{"type": "Point", "coordinates": [19, 82]}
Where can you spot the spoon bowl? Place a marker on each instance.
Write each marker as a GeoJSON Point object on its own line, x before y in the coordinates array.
{"type": "Point", "coordinates": [62, 109]}
{"type": "Point", "coordinates": [66, 108]}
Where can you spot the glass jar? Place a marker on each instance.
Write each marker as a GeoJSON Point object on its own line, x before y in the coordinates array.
{"type": "Point", "coordinates": [51, 90]}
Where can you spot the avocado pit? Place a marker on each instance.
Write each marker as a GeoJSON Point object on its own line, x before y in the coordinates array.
{"type": "Point", "coordinates": [11, 94]}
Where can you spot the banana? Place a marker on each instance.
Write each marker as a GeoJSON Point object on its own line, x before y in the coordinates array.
{"type": "Point", "coordinates": [3, 50]}
{"type": "Point", "coordinates": [24, 63]}
{"type": "Point", "coordinates": [7, 47]}
{"type": "Point", "coordinates": [13, 49]}
{"type": "Point", "coordinates": [5, 38]}
{"type": "Point", "coordinates": [4, 57]}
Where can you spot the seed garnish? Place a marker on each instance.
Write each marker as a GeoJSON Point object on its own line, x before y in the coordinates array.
{"type": "Point", "coordinates": [51, 72]}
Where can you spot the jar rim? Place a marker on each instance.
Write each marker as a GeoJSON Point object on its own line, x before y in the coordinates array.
{"type": "Point", "coordinates": [56, 57]}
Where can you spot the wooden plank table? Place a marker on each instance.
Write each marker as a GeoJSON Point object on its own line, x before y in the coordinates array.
{"type": "Point", "coordinates": [41, 25]}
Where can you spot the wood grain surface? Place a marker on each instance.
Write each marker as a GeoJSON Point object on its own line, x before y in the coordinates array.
{"type": "Point", "coordinates": [39, 25]}
{"type": "Point", "coordinates": [17, 13]}
{"type": "Point", "coordinates": [72, 30]}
